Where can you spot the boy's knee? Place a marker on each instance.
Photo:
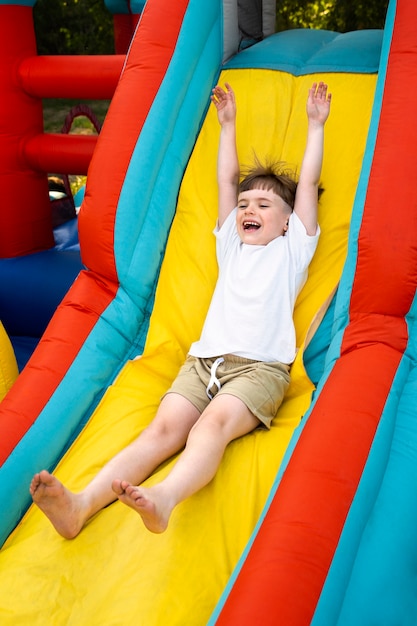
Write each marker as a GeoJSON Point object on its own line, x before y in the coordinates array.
{"type": "Point", "coordinates": [212, 419]}
{"type": "Point", "coordinates": [158, 430]}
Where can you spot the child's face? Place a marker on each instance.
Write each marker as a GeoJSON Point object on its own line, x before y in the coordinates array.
{"type": "Point", "coordinates": [261, 216]}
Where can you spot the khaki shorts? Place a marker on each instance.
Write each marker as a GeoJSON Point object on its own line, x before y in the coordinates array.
{"type": "Point", "coordinates": [260, 385]}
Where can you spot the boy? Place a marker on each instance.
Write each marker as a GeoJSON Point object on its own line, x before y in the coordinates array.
{"type": "Point", "coordinates": [236, 375]}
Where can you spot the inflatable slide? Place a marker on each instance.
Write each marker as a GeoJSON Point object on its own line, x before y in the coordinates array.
{"type": "Point", "coordinates": [312, 521]}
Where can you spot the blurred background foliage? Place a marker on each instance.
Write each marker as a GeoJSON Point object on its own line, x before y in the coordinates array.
{"type": "Point", "coordinates": [73, 27]}
{"type": "Point", "coordinates": [86, 26]}
{"type": "Point", "coordinates": [338, 15]}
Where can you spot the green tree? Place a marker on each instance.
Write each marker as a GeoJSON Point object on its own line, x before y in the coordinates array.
{"type": "Point", "coordinates": [347, 15]}
{"type": "Point", "coordinates": [73, 27]}
{"type": "Point", "coordinates": [86, 26]}
{"type": "Point", "coordinates": [337, 15]}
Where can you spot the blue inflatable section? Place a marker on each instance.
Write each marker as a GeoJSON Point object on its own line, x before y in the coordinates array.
{"type": "Point", "coordinates": [32, 287]}
{"type": "Point", "coordinates": [125, 7]}
{"type": "Point", "coordinates": [314, 51]}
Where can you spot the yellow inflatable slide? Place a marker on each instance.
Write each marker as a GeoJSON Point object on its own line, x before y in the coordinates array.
{"type": "Point", "coordinates": [115, 572]}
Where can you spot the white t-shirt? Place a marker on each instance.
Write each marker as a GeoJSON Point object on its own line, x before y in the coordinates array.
{"type": "Point", "coordinates": [251, 311]}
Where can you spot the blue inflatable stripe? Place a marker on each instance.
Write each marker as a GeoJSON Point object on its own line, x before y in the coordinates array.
{"type": "Point", "coordinates": [21, 3]}
{"type": "Point", "coordinates": [301, 52]}
{"type": "Point", "coordinates": [125, 7]}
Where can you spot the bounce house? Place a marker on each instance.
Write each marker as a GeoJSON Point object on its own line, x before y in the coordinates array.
{"type": "Point", "coordinates": [312, 522]}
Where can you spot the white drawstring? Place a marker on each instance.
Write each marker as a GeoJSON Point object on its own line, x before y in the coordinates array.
{"type": "Point", "coordinates": [213, 378]}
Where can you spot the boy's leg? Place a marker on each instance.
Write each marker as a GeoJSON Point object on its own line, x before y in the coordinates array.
{"type": "Point", "coordinates": [226, 418]}
{"type": "Point", "coordinates": [165, 436]}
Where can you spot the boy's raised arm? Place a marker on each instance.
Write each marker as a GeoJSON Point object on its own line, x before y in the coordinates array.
{"type": "Point", "coordinates": [227, 159]}
{"type": "Point", "coordinates": [306, 198]}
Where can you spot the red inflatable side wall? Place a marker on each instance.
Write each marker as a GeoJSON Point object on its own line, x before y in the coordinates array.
{"type": "Point", "coordinates": [26, 222]}
{"type": "Point", "coordinates": [26, 154]}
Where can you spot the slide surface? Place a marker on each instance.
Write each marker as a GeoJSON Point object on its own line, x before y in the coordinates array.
{"type": "Point", "coordinates": [115, 572]}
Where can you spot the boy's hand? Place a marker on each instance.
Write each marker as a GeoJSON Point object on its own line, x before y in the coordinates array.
{"type": "Point", "coordinates": [318, 103]}
{"type": "Point", "coordinates": [225, 103]}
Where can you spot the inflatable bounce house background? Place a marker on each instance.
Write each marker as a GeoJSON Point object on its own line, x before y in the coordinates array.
{"type": "Point", "coordinates": [312, 522]}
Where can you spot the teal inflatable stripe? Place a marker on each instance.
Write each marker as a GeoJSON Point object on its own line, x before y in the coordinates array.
{"type": "Point", "coordinates": [301, 52]}
{"type": "Point", "coordinates": [125, 7]}
{"type": "Point", "coordinates": [21, 3]}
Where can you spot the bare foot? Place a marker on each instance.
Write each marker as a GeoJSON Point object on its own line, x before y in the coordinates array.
{"type": "Point", "coordinates": [150, 507]}
{"type": "Point", "coordinates": [60, 505]}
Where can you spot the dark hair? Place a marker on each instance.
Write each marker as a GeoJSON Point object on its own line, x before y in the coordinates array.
{"type": "Point", "coordinates": [276, 177]}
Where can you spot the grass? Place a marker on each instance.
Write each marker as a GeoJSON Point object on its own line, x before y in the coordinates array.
{"type": "Point", "coordinates": [55, 112]}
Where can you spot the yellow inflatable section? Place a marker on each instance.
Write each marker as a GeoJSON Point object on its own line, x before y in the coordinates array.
{"type": "Point", "coordinates": [116, 572]}
{"type": "Point", "coordinates": [8, 364]}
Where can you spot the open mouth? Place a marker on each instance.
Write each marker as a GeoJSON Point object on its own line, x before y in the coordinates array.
{"type": "Point", "coordinates": [248, 226]}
